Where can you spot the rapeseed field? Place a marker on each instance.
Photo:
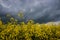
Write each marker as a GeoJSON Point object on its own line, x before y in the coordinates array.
{"type": "Point", "coordinates": [29, 31]}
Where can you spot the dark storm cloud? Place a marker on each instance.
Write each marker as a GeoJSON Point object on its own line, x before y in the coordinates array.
{"type": "Point", "coordinates": [38, 10]}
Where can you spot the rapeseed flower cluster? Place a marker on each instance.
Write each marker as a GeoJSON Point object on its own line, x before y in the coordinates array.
{"type": "Point", "coordinates": [29, 31]}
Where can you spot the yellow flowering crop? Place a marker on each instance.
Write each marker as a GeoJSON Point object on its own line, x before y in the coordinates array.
{"type": "Point", "coordinates": [29, 31]}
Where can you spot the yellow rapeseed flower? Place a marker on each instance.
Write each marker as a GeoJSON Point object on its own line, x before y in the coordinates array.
{"type": "Point", "coordinates": [0, 22]}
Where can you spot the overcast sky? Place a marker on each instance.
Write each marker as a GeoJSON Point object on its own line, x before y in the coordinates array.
{"type": "Point", "coordinates": [38, 10]}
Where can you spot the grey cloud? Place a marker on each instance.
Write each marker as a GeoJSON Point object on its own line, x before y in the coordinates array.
{"type": "Point", "coordinates": [38, 10]}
